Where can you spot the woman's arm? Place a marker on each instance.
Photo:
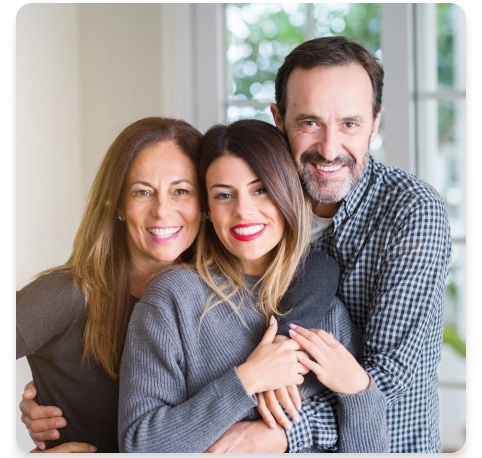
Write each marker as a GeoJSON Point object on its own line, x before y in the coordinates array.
{"type": "Point", "coordinates": [157, 414]}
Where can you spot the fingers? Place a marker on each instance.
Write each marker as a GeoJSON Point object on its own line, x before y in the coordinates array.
{"type": "Point", "coordinates": [44, 429]}
{"type": "Point", "coordinates": [32, 410]}
{"type": "Point", "coordinates": [264, 411]}
{"type": "Point", "coordinates": [29, 391]}
{"type": "Point", "coordinates": [70, 447]}
{"type": "Point", "coordinates": [276, 410]}
{"type": "Point", "coordinates": [289, 398]}
{"type": "Point", "coordinates": [310, 341]}
{"type": "Point", "coordinates": [270, 333]}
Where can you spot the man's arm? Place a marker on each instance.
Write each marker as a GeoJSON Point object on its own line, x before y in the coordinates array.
{"type": "Point", "coordinates": [407, 303]}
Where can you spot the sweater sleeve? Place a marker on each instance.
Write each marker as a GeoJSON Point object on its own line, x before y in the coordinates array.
{"type": "Point", "coordinates": [338, 422]}
{"type": "Point", "coordinates": [156, 413]}
{"type": "Point", "coordinates": [46, 308]}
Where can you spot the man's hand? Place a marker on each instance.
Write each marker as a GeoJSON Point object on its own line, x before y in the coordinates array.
{"type": "Point", "coordinates": [68, 447]}
{"type": "Point", "coordinates": [41, 421]}
{"type": "Point", "coordinates": [251, 437]}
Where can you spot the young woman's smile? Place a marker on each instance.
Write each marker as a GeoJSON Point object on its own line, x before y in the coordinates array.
{"type": "Point", "coordinates": [245, 219]}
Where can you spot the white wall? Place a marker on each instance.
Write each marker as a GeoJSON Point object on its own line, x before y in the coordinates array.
{"type": "Point", "coordinates": [48, 153]}
{"type": "Point", "coordinates": [84, 72]}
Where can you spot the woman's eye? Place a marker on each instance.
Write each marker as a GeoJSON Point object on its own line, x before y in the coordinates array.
{"type": "Point", "coordinates": [261, 191]}
{"type": "Point", "coordinates": [142, 193]}
{"type": "Point", "coordinates": [222, 196]}
{"type": "Point", "coordinates": [181, 191]}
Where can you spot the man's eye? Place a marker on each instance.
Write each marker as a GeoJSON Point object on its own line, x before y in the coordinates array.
{"type": "Point", "coordinates": [309, 126]}
{"type": "Point", "coordinates": [350, 124]}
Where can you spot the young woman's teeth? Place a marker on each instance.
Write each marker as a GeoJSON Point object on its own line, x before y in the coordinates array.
{"type": "Point", "coordinates": [248, 230]}
{"type": "Point", "coordinates": [164, 233]}
{"type": "Point", "coordinates": [332, 168]}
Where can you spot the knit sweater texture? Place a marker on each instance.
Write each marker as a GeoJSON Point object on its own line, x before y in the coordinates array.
{"type": "Point", "coordinates": [179, 388]}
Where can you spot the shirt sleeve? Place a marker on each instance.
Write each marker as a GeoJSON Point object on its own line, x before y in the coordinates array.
{"type": "Point", "coordinates": [338, 422]}
{"type": "Point", "coordinates": [407, 303]}
{"type": "Point", "coordinates": [156, 413]}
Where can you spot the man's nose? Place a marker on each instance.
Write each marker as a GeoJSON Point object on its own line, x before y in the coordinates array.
{"type": "Point", "coordinates": [328, 143]}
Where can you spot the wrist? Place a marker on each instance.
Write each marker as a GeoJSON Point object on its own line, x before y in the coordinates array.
{"type": "Point", "coordinates": [247, 380]}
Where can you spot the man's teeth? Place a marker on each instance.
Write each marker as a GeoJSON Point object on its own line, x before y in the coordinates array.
{"type": "Point", "coordinates": [325, 168]}
{"type": "Point", "coordinates": [248, 230]}
{"type": "Point", "coordinates": [164, 233]}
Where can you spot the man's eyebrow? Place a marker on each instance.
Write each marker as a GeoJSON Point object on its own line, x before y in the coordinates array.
{"type": "Point", "coordinates": [302, 116]}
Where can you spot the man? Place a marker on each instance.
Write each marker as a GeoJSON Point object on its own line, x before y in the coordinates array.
{"type": "Point", "coordinates": [387, 229]}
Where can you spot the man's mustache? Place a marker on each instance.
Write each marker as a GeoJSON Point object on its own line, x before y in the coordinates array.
{"type": "Point", "coordinates": [313, 156]}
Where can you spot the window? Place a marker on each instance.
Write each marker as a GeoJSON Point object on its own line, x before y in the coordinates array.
{"type": "Point", "coordinates": [261, 35]}
{"type": "Point", "coordinates": [422, 48]}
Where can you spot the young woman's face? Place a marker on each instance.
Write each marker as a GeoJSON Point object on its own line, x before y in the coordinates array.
{"type": "Point", "coordinates": [245, 219]}
{"type": "Point", "coordinates": [160, 205]}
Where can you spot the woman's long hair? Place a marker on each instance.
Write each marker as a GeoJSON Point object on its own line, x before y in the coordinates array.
{"type": "Point", "coordinates": [100, 262]}
{"type": "Point", "coordinates": [265, 150]}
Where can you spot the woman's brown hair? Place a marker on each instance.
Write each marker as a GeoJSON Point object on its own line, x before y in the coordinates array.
{"type": "Point", "coordinates": [100, 262]}
{"type": "Point", "coordinates": [265, 150]}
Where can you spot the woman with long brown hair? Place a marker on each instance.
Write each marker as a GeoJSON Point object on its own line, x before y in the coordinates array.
{"type": "Point", "coordinates": [201, 342]}
{"type": "Point", "coordinates": [142, 214]}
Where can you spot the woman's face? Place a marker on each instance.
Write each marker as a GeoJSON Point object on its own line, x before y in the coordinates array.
{"type": "Point", "coordinates": [160, 205]}
{"type": "Point", "coordinates": [245, 219]}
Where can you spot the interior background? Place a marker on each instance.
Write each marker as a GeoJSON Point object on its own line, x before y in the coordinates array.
{"type": "Point", "coordinates": [85, 71]}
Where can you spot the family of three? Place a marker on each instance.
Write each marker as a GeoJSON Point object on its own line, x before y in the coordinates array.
{"type": "Point", "coordinates": [253, 289]}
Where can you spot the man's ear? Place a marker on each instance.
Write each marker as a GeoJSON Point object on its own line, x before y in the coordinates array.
{"type": "Point", "coordinates": [276, 116]}
{"type": "Point", "coordinates": [376, 125]}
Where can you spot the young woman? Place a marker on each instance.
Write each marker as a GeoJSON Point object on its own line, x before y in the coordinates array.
{"type": "Point", "coordinates": [201, 342]}
{"type": "Point", "coordinates": [142, 214]}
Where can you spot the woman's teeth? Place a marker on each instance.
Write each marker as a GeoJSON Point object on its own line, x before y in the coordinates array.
{"type": "Point", "coordinates": [248, 230]}
{"type": "Point", "coordinates": [164, 233]}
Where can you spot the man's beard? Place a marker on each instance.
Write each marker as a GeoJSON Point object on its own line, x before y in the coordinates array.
{"type": "Point", "coordinates": [322, 189]}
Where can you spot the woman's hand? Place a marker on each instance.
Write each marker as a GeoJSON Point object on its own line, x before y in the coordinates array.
{"type": "Point", "coordinates": [272, 365]}
{"type": "Point", "coordinates": [270, 402]}
{"type": "Point", "coordinates": [334, 365]}
{"type": "Point", "coordinates": [41, 421]}
{"type": "Point", "coordinates": [68, 447]}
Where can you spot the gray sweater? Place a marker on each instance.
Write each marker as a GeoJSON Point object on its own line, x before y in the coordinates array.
{"type": "Point", "coordinates": [179, 389]}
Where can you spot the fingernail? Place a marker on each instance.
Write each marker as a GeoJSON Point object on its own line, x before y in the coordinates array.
{"type": "Point", "coordinates": [56, 413]}
{"type": "Point", "coordinates": [92, 448]}
{"type": "Point", "coordinates": [293, 326]}
{"type": "Point", "coordinates": [272, 320]}
{"type": "Point", "coordinates": [292, 333]}
{"type": "Point", "coordinates": [288, 427]}
{"type": "Point", "coordinates": [296, 419]}
{"type": "Point", "coordinates": [298, 406]}
{"type": "Point", "coordinates": [272, 425]}
{"type": "Point", "coordinates": [53, 435]}
{"type": "Point", "coordinates": [299, 356]}
{"type": "Point", "coordinates": [60, 423]}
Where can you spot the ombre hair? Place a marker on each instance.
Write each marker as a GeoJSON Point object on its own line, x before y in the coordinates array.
{"type": "Point", "coordinates": [100, 262]}
{"type": "Point", "coordinates": [265, 150]}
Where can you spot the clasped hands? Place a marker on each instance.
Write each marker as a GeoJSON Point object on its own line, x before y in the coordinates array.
{"type": "Point", "coordinates": [334, 366]}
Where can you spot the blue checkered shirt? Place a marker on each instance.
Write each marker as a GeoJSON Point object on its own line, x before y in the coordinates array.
{"type": "Point", "coordinates": [391, 237]}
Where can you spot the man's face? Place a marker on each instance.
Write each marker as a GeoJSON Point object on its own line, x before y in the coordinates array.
{"type": "Point", "coordinates": [329, 125]}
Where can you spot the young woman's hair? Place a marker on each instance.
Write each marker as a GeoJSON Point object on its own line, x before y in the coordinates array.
{"type": "Point", "coordinates": [100, 262]}
{"type": "Point", "coordinates": [265, 150]}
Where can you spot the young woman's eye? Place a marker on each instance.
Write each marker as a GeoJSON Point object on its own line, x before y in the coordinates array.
{"type": "Point", "coordinates": [222, 196]}
{"type": "Point", "coordinates": [261, 191]}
